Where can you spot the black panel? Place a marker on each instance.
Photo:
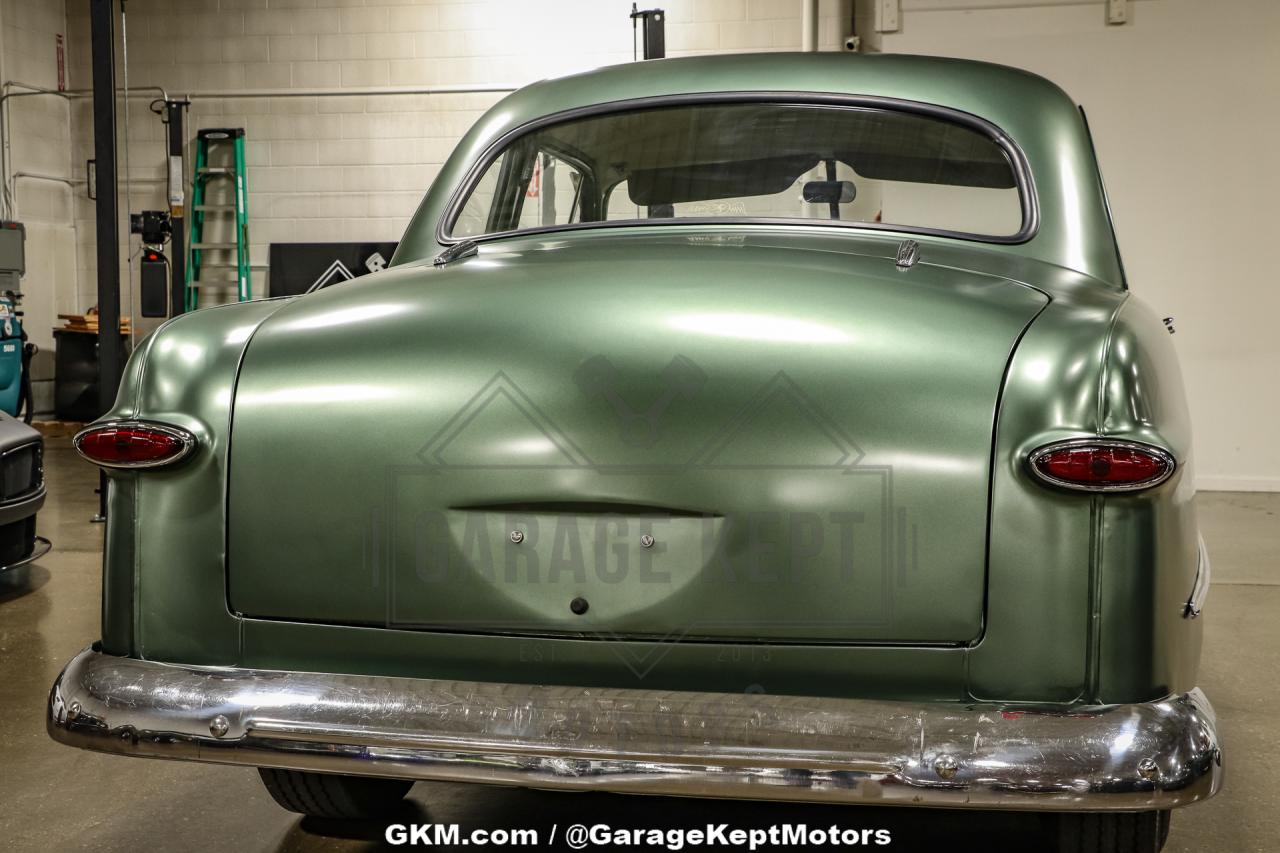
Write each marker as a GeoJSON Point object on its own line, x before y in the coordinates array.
{"type": "Point", "coordinates": [75, 386]}
{"type": "Point", "coordinates": [17, 540]}
{"type": "Point", "coordinates": [155, 286]}
{"type": "Point", "coordinates": [297, 268]}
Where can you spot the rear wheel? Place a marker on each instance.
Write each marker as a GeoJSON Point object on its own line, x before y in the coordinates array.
{"type": "Point", "coordinates": [336, 797]}
{"type": "Point", "coordinates": [1112, 832]}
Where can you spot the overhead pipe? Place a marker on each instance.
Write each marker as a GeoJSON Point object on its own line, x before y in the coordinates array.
{"type": "Point", "coordinates": [352, 91]}
{"type": "Point", "coordinates": [36, 176]}
{"type": "Point", "coordinates": [30, 90]}
{"type": "Point", "coordinates": [355, 91]}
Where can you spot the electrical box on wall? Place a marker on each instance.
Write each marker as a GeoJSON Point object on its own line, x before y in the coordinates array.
{"type": "Point", "coordinates": [887, 13]}
{"type": "Point", "coordinates": [154, 284]}
{"type": "Point", "coordinates": [13, 254]}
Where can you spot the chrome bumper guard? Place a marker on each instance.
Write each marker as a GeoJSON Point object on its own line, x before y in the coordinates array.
{"type": "Point", "coordinates": [1153, 755]}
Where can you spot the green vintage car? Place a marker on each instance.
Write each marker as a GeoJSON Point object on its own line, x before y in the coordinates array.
{"type": "Point", "coordinates": [762, 426]}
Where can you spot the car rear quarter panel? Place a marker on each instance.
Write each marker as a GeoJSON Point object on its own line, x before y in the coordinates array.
{"type": "Point", "coordinates": [164, 578]}
{"type": "Point", "coordinates": [1086, 593]}
{"type": "Point", "coordinates": [1149, 555]}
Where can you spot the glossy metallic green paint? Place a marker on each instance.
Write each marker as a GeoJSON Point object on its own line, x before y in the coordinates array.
{"type": "Point", "coordinates": [1149, 541]}
{"type": "Point", "coordinates": [794, 421]}
{"type": "Point", "coordinates": [175, 533]}
{"type": "Point", "coordinates": [1043, 122]}
{"type": "Point", "coordinates": [1082, 595]}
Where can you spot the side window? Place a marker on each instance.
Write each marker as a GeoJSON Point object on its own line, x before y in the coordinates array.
{"type": "Point", "coordinates": [620, 206]}
{"type": "Point", "coordinates": [547, 193]}
{"type": "Point", "coordinates": [474, 217]}
{"type": "Point", "coordinates": [553, 194]}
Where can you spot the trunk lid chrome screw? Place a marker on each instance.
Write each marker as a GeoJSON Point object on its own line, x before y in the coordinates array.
{"type": "Point", "coordinates": [1148, 769]}
{"type": "Point", "coordinates": [646, 541]}
{"type": "Point", "coordinates": [73, 710]}
{"type": "Point", "coordinates": [219, 726]}
{"type": "Point", "coordinates": [946, 767]}
{"type": "Point", "coordinates": [517, 537]}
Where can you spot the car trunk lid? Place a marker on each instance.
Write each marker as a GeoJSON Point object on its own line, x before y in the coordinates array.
{"type": "Point", "coordinates": [707, 436]}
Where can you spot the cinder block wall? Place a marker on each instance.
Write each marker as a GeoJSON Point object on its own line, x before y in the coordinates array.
{"type": "Point", "coordinates": [40, 137]}
{"type": "Point", "coordinates": [340, 167]}
{"type": "Point", "coordinates": [1184, 104]}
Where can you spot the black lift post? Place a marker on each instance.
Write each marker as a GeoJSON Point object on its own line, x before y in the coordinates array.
{"type": "Point", "coordinates": [654, 29]}
{"type": "Point", "coordinates": [110, 352]}
{"type": "Point", "coordinates": [175, 119]}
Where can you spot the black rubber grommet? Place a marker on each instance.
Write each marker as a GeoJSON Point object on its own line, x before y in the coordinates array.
{"type": "Point", "coordinates": [579, 605]}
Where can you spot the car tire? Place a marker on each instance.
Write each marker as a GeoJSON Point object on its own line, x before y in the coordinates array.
{"type": "Point", "coordinates": [334, 797]}
{"type": "Point", "coordinates": [1112, 832]}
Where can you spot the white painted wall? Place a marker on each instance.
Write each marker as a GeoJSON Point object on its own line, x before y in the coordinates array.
{"type": "Point", "coordinates": [339, 168]}
{"type": "Point", "coordinates": [40, 143]}
{"type": "Point", "coordinates": [1184, 104]}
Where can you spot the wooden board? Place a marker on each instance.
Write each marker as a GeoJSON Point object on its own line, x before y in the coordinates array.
{"type": "Point", "coordinates": [89, 323]}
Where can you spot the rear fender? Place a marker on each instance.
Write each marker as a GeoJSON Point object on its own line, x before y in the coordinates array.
{"type": "Point", "coordinates": [164, 581]}
{"type": "Point", "coordinates": [1145, 645]}
{"type": "Point", "coordinates": [1042, 543]}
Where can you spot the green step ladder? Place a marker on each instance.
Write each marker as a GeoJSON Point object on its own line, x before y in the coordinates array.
{"type": "Point", "coordinates": [237, 212]}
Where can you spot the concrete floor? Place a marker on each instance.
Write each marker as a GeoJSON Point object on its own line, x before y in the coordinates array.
{"type": "Point", "coordinates": [52, 797]}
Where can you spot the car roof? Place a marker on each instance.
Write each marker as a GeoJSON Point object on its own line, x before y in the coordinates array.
{"type": "Point", "coordinates": [984, 89]}
{"type": "Point", "coordinates": [1040, 119]}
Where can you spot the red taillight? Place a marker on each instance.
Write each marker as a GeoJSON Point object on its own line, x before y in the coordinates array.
{"type": "Point", "coordinates": [1102, 465]}
{"type": "Point", "coordinates": [134, 444]}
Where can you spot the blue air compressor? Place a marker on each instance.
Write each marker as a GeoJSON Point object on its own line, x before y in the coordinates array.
{"type": "Point", "coordinates": [15, 352]}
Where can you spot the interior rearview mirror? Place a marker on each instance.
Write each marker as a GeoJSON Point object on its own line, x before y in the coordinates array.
{"type": "Point", "coordinates": [829, 192]}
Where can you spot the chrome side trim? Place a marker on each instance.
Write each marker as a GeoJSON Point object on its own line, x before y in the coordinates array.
{"type": "Point", "coordinates": [1039, 453]}
{"type": "Point", "coordinates": [188, 442]}
{"type": "Point", "coordinates": [1154, 755]}
{"type": "Point", "coordinates": [1200, 590]}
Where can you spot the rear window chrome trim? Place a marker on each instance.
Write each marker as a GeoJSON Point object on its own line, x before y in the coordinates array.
{"type": "Point", "coordinates": [1022, 172]}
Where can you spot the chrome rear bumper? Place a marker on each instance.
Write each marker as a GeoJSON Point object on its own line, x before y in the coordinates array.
{"type": "Point", "coordinates": [1122, 757]}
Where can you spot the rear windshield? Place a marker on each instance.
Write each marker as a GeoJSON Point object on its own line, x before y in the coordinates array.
{"type": "Point", "coordinates": [749, 161]}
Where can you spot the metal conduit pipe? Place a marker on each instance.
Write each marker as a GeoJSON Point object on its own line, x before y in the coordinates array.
{"type": "Point", "coordinates": [354, 91]}
{"type": "Point", "coordinates": [809, 26]}
{"type": "Point", "coordinates": [29, 90]}
{"type": "Point", "coordinates": [35, 176]}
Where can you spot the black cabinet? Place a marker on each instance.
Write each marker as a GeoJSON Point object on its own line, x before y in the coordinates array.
{"type": "Point", "coordinates": [75, 385]}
